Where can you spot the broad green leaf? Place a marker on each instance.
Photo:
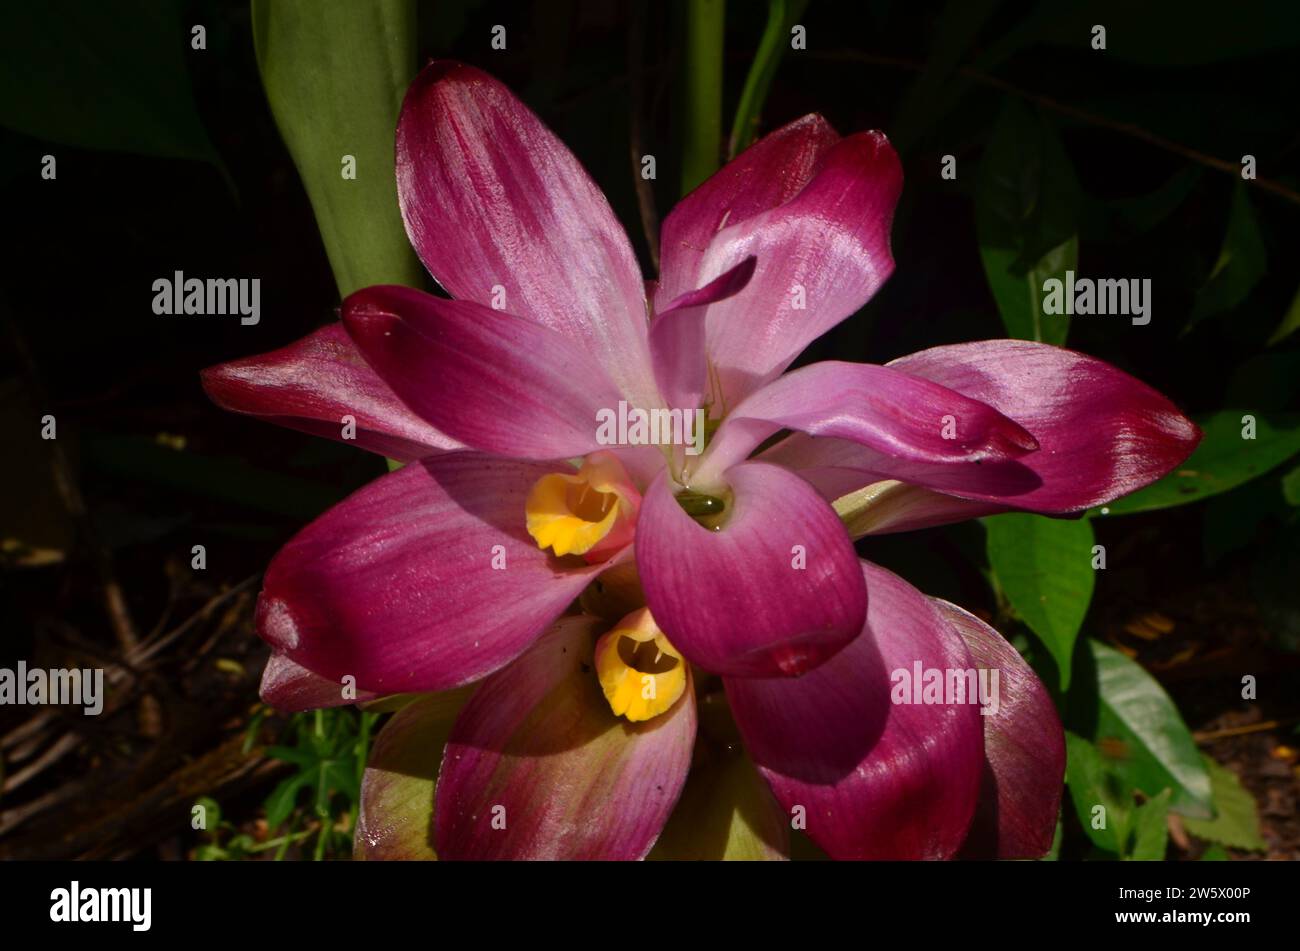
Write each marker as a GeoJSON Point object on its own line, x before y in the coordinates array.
{"type": "Point", "coordinates": [1223, 461]}
{"type": "Point", "coordinates": [1215, 853]}
{"type": "Point", "coordinates": [1134, 715]}
{"type": "Point", "coordinates": [335, 75]}
{"type": "Point", "coordinates": [1291, 486]}
{"type": "Point", "coordinates": [1236, 823]}
{"type": "Point", "coordinates": [1241, 263]}
{"type": "Point", "coordinates": [1044, 567]}
{"type": "Point", "coordinates": [102, 76]}
{"type": "Point", "coordinates": [1020, 296]}
{"type": "Point", "coordinates": [1150, 830]}
{"type": "Point", "coordinates": [219, 477]}
{"type": "Point", "coordinates": [1026, 215]}
{"type": "Point", "coordinates": [1091, 786]}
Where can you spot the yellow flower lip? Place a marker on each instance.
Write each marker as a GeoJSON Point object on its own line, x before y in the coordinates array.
{"type": "Point", "coordinates": [640, 672]}
{"type": "Point", "coordinates": [591, 512]}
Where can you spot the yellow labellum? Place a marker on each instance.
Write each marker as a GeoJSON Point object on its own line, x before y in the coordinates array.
{"type": "Point", "coordinates": [640, 672]}
{"type": "Point", "coordinates": [572, 514]}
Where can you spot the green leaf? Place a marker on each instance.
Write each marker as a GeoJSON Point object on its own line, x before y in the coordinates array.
{"type": "Point", "coordinates": [1136, 716]}
{"type": "Point", "coordinates": [335, 75]}
{"type": "Point", "coordinates": [1236, 823]}
{"type": "Point", "coordinates": [229, 478]}
{"type": "Point", "coordinates": [1241, 263]}
{"type": "Point", "coordinates": [1153, 32]}
{"type": "Point", "coordinates": [1290, 321]}
{"type": "Point", "coordinates": [1044, 567]}
{"type": "Point", "coordinates": [211, 812]}
{"type": "Point", "coordinates": [1268, 381]}
{"type": "Point", "coordinates": [782, 15]}
{"type": "Point", "coordinates": [1215, 853]}
{"type": "Point", "coordinates": [1092, 785]}
{"type": "Point", "coordinates": [1026, 215]}
{"type": "Point", "coordinates": [304, 759]}
{"type": "Point", "coordinates": [1291, 486]}
{"type": "Point", "coordinates": [940, 85]}
{"type": "Point", "coordinates": [1150, 830]}
{"type": "Point", "coordinates": [1234, 520]}
{"type": "Point", "coordinates": [1138, 215]}
{"type": "Point", "coordinates": [280, 803]}
{"type": "Point", "coordinates": [102, 76]}
{"type": "Point", "coordinates": [1223, 461]}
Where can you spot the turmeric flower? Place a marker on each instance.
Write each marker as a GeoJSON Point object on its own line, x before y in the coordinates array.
{"type": "Point", "coordinates": [718, 587]}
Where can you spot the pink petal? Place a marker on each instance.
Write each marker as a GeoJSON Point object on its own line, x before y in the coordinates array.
{"type": "Point", "coordinates": [291, 688]}
{"type": "Point", "coordinates": [901, 416]}
{"type": "Point", "coordinates": [877, 780]}
{"type": "Point", "coordinates": [538, 751]}
{"type": "Point", "coordinates": [1024, 750]}
{"type": "Point", "coordinates": [502, 384]}
{"type": "Point", "coordinates": [492, 198]}
{"type": "Point", "coordinates": [736, 601]}
{"type": "Point", "coordinates": [894, 506]}
{"type": "Point", "coordinates": [312, 384]}
{"type": "Point", "coordinates": [643, 463]}
{"type": "Point", "coordinates": [677, 338]}
{"type": "Point", "coordinates": [1101, 433]}
{"type": "Point", "coordinates": [400, 584]}
{"type": "Point", "coordinates": [821, 256]}
{"type": "Point", "coordinates": [767, 174]}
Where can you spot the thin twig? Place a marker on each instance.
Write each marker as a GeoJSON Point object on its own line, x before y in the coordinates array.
{"type": "Point", "coordinates": [26, 729]}
{"type": "Point", "coordinates": [1212, 735]}
{"type": "Point", "coordinates": [15, 816]}
{"type": "Point", "coordinates": [148, 650]}
{"type": "Point", "coordinates": [68, 743]}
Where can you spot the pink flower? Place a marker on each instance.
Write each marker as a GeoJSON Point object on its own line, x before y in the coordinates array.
{"type": "Point", "coordinates": [458, 567]}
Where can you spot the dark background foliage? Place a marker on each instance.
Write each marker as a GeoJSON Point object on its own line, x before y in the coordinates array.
{"type": "Point", "coordinates": [169, 159]}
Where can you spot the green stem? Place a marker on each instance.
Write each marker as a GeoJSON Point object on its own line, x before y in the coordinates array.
{"type": "Point", "coordinates": [319, 853]}
{"type": "Point", "coordinates": [701, 99]}
{"type": "Point", "coordinates": [292, 837]}
{"type": "Point", "coordinates": [781, 16]}
{"type": "Point", "coordinates": [280, 842]}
